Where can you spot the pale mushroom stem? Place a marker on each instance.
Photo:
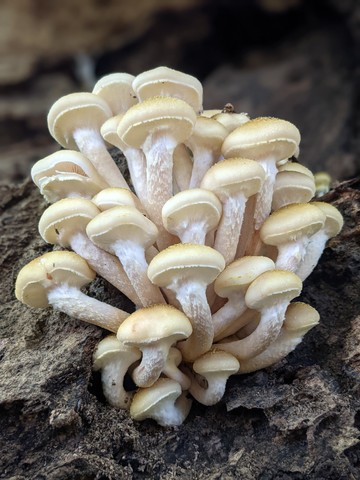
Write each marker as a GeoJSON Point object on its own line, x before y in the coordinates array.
{"type": "Point", "coordinates": [227, 314]}
{"type": "Point", "coordinates": [203, 160]}
{"type": "Point", "coordinates": [137, 167]}
{"type": "Point", "coordinates": [152, 364]}
{"type": "Point", "coordinates": [92, 145]}
{"type": "Point", "coordinates": [104, 264]}
{"type": "Point", "coordinates": [312, 255]}
{"type": "Point", "coordinates": [194, 232]}
{"type": "Point", "coordinates": [132, 258]}
{"type": "Point", "coordinates": [241, 321]}
{"type": "Point", "coordinates": [264, 197]}
{"type": "Point", "coordinates": [192, 298]}
{"type": "Point", "coordinates": [228, 232]}
{"type": "Point", "coordinates": [290, 255]}
{"type": "Point", "coordinates": [172, 414]}
{"type": "Point", "coordinates": [272, 319]}
{"type": "Point", "coordinates": [210, 395]}
{"type": "Point", "coordinates": [75, 303]}
{"type": "Point", "coordinates": [112, 379]}
{"type": "Point", "coordinates": [182, 167]}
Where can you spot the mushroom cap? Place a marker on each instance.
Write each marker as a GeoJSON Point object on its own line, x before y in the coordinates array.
{"type": "Point", "coordinates": [239, 274]}
{"type": "Point", "coordinates": [116, 89]}
{"type": "Point", "coordinates": [114, 197]}
{"type": "Point", "coordinates": [272, 287]}
{"type": "Point", "coordinates": [68, 162]}
{"type": "Point", "coordinates": [186, 261]}
{"type": "Point", "coordinates": [73, 111]}
{"type": "Point", "coordinates": [121, 223]}
{"type": "Point", "coordinates": [164, 81]}
{"type": "Point", "coordinates": [65, 185]}
{"type": "Point", "coordinates": [207, 133]}
{"type": "Point", "coordinates": [208, 113]}
{"type": "Point", "coordinates": [333, 219]}
{"type": "Point", "coordinates": [191, 205]}
{"type": "Point", "coordinates": [156, 114]}
{"type": "Point", "coordinates": [292, 186]}
{"type": "Point", "coordinates": [296, 167]}
{"type": "Point", "coordinates": [300, 316]}
{"type": "Point", "coordinates": [291, 223]}
{"type": "Point", "coordinates": [147, 400]}
{"type": "Point", "coordinates": [229, 177]}
{"type": "Point", "coordinates": [64, 218]}
{"type": "Point", "coordinates": [216, 361]}
{"type": "Point", "coordinates": [149, 325]}
{"type": "Point", "coordinates": [111, 349]}
{"type": "Point", "coordinates": [109, 133]}
{"type": "Point", "coordinates": [262, 137]}
{"type": "Point", "coordinates": [47, 271]}
{"type": "Point", "coordinates": [231, 120]}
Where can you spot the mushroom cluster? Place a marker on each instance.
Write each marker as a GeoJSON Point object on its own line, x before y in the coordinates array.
{"type": "Point", "coordinates": [211, 239]}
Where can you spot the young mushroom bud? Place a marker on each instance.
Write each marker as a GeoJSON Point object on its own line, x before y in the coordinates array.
{"type": "Point", "coordinates": [270, 141]}
{"type": "Point", "coordinates": [290, 229]}
{"type": "Point", "coordinates": [216, 367]}
{"type": "Point", "coordinates": [299, 319]}
{"type": "Point", "coordinates": [232, 283]}
{"type": "Point", "coordinates": [116, 89]}
{"type": "Point", "coordinates": [233, 181]}
{"type": "Point", "coordinates": [55, 279]}
{"type": "Point", "coordinates": [322, 183]}
{"type": "Point", "coordinates": [125, 232]}
{"type": "Point", "coordinates": [187, 270]}
{"type": "Point", "coordinates": [332, 227]}
{"type": "Point", "coordinates": [192, 214]}
{"type": "Point", "coordinates": [114, 359]}
{"type": "Point", "coordinates": [64, 223]}
{"type": "Point", "coordinates": [74, 121]}
{"type": "Point", "coordinates": [164, 402]}
{"type": "Point", "coordinates": [66, 173]}
{"type": "Point", "coordinates": [270, 293]}
{"type": "Point", "coordinates": [153, 330]}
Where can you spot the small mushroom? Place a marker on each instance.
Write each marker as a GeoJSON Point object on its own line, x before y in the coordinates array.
{"type": "Point", "coordinates": [64, 223]}
{"type": "Point", "coordinates": [187, 270]}
{"type": "Point", "coordinates": [192, 214]}
{"type": "Point", "coordinates": [164, 402]}
{"type": "Point", "coordinates": [322, 183]}
{"type": "Point", "coordinates": [233, 181]}
{"type": "Point", "coordinates": [74, 121]}
{"type": "Point", "coordinates": [216, 367]}
{"type": "Point", "coordinates": [116, 89]}
{"type": "Point", "coordinates": [153, 330]}
{"type": "Point", "coordinates": [171, 368]}
{"type": "Point", "coordinates": [125, 232]}
{"type": "Point", "coordinates": [299, 319]}
{"type": "Point", "coordinates": [55, 279]}
{"type": "Point", "coordinates": [270, 293]}
{"type": "Point", "coordinates": [232, 284]}
{"type": "Point", "coordinates": [270, 141]}
{"type": "Point", "coordinates": [114, 359]}
{"type": "Point", "coordinates": [332, 227]}
{"type": "Point", "coordinates": [290, 229]}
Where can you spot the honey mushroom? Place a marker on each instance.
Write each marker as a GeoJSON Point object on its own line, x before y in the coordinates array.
{"type": "Point", "coordinates": [116, 89]}
{"type": "Point", "coordinates": [55, 279]}
{"type": "Point", "coordinates": [74, 121]}
{"type": "Point", "coordinates": [64, 223]}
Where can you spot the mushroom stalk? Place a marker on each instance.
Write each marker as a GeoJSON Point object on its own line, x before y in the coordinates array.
{"type": "Point", "coordinates": [75, 303]}
{"type": "Point", "coordinates": [228, 232]}
{"type": "Point", "coordinates": [291, 254]}
{"type": "Point", "coordinates": [91, 144]}
{"type": "Point", "coordinates": [194, 232]}
{"type": "Point", "coordinates": [228, 313]}
{"type": "Point", "coordinates": [214, 391]}
{"type": "Point", "coordinates": [312, 255]}
{"type": "Point", "coordinates": [132, 258]}
{"type": "Point", "coordinates": [112, 379]}
{"type": "Point", "coordinates": [264, 197]}
{"type": "Point", "coordinates": [137, 167]}
{"type": "Point", "coordinates": [203, 160]}
{"type": "Point", "coordinates": [152, 364]}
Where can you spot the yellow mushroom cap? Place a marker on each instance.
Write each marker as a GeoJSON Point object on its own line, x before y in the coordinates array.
{"type": "Point", "coordinates": [114, 197]}
{"type": "Point", "coordinates": [121, 223]}
{"type": "Point", "coordinates": [152, 324]}
{"type": "Point", "coordinates": [300, 317]}
{"type": "Point", "coordinates": [155, 114]}
{"type": "Point", "coordinates": [110, 348]}
{"type": "Point", "coordinates": [231, 120]}
{"type": "Point", "coordinates": [53, 268]}
{"type": "Point", "coordinates": [109, 133]}
{"type": "Point", "coordinates": [73, 111]}
{"type": "Point", "coordinates": [230, 176]}
{"type": "Point", "coordinates": [185, 260]}
{"type": "Point", "coordinates": [68, 215]}
{"type": "Point", "coordinates": [116, 89]}
{"type": "Point", "coordinates": [261, 137]}
{"type": "Point", "coordinates": [164, 81]}
{"type": "Point", "coordinates": [216, 361]}
{"type": "Point", "coordinates": [333, 219]}
{"type": "Point", "coordinates": [271, 287]}
{"type": "Point", "coordinates": [291, 223]}
{"type": "Point", "coordinates": [239, 274]}
{"type": "Point", "coordinates": [207, 133]}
